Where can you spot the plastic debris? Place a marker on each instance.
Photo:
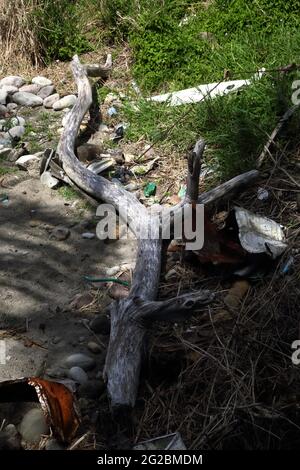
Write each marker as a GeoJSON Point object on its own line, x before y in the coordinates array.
{"type": "Point", "coordinates": [4, 200]}
{"type": "Point", "coordinates": [150, 189]}
{"type": "Point", "coordinates": [167, 442]}
{"type": "Point", "coordinates": [194, 95]}
{"type": "Point", "coordinates": [144, 169]}
{"type": "Point", "coordinates": [88, 235]}
{"type": "Point", "coordinates": [119, 131]}
{"type": "Point", "coordinates": [136, 87]}
{"type": "Point", "coordinates": [112, 111]}
{"type": "Point", "coordinates": [258, 234]}
{"type": "Point", "coordinates": [182, 191]}
{"type": "Point", "coordinates": [287, 266]}
{"type": "Point", "coordinates": [57, 403]}
{"type": "Point", "coordinates": [262, 194]}
{"type": "Point", "coordinates": [48, 180]}
{"type": "Point", "coordinates": [106, 279]}
{"type": "Point", "coordinates": [103, 165]}
{"type": "Point", "coordinates": [131, 187]}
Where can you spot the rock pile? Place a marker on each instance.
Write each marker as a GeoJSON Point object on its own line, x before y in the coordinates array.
{"type": "Point", "coordinates": [14, 92]}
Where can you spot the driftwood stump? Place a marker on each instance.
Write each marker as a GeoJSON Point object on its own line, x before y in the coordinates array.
{"type": "Point", "coordinates": [131, 317]}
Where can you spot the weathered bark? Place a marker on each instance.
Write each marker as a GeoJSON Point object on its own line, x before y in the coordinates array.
{"type": "Point", "coordinates": [96, 70]}
{"type": "Point", "coordinates": [131, 316]}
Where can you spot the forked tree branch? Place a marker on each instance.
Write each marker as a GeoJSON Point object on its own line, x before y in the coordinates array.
{"type": "Point", "coordinates": [131, 316]}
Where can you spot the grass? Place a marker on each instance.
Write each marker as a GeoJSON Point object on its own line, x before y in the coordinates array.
{"type": "Point", "coordinates": [4, 170]}
{"type": "Point", "coordinates": [235, 126]}
{"type": "Point", "coordinates": [238, 37]}
{"type": "Point", "coordinates": [71, 195]}
{"type": "Point", "coordinates": [68, 193]}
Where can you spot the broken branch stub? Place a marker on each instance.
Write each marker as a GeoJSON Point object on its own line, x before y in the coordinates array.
{"type": "Point", "coordinates": [131, 316]}
{"type": "Point", "coordinates": [97, 70]}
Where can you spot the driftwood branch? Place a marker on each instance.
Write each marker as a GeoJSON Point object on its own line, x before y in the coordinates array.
{"type": "Point", "coordinates": [175, 309]}
{"type": "Point", "coordinates": [266, 150]}
{"type": "Point", "coordinates": [194, 167]}
{"type": "Point", "coordinates": [96, 70]}
{"type": "Point", "coordinates": [131, 316]}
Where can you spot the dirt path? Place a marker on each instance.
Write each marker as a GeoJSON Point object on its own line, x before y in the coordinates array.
{"type": "Point", "coordinates": [40, 276]}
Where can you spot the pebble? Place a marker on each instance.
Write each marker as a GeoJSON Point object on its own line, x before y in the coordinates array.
{"type": "Point", "coordinates": [88, 152]}
{"type": "Point", "coordinates": [27, 99]}
{"type": "Point", "coordinates": [78, 374]}
{"type": "Point", "coordinates": [131, 187]}
{"type": "Point", "coordinates": [80, 360]}
{"type": "Point", "coordinates": [103, 128]}
{"type": "Point", "coordinates": [56, 372]}
{"type": "Point", "coordinates": [34, 223]}
{"type": "Point", "coordinates": [5, 153]}
{"type": "Point", "coordinates": [26, 160]}
{"type": "Point", "coordinates": [16, 153]}
{"type": "Point", "coordinates": [100, 324]}
{"type": "Point", "coordinates": [50, 100]}
{"type": "Point", "coordinates": [5, 143]}
{"type": "Point", "coordinates": [110, 98]}
{"type": "Point", "coordinates": [60, 233]}
{"type": "Point", "coordinates": [94, 347]}
{"type": "Point", "coordinates": [15, 133]}
{"type": "Point", "coordinates": [17, 121]}
{"type": "Point", "coordinates": [88, 235]}
{"type": "Point", "coordinates": [13, 80]}
{"type": "Point", "coordinates": [46, 91]}
{"type": "Point", "coordinates": [3, 110]}
{"type": "Point", "coordinates": [10, 439]}
{"type": "Point", "coordinates": [65, 102]}
{"type": "Point", "coordinates": [48, 180]}
{"type": "Point", "coordinates": [11, 106]}
{"type": "Point", "coordinates": [41, 81]}
{"type": "Point", "coordinates": [10, 89]}
{"type": "Point", "coordinates": [32, 88]}
{"type": "Point", "coordinates": [33, 426]}
{"type": "Point", "coordinates": [3, 96]}
{"type": "Point", "coordinates": [53, 444]}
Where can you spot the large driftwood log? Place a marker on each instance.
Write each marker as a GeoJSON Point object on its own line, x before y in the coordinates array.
{"type": "Point", "coordinates": [130, 317]}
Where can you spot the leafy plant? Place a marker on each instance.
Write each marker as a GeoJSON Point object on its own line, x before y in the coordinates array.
{"type": "Point", "coordinates": [57, 25]}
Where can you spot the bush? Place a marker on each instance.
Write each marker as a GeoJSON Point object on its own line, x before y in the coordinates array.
{"type": "Point", "coordinates": [41, 30]}
{"type": "Point", "coordinates": [58, 29]}
{"type": "Point", "coordinates": [171, 53]}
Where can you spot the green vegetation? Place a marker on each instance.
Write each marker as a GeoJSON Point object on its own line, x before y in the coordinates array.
{"type": "Point", "coordinates": [59, 29]}
{"type": "Point", "coordinates": [4, 170]}
{"type": "Point", "coordinates": [68, 193]}
{"type": "Point", "coordinates": [177, 44]}
{"type": "Point", "coordinates": [237, 36]}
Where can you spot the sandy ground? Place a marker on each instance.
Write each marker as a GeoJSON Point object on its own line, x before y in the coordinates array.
{"type": "Point", "coordinates": [40, 276]}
